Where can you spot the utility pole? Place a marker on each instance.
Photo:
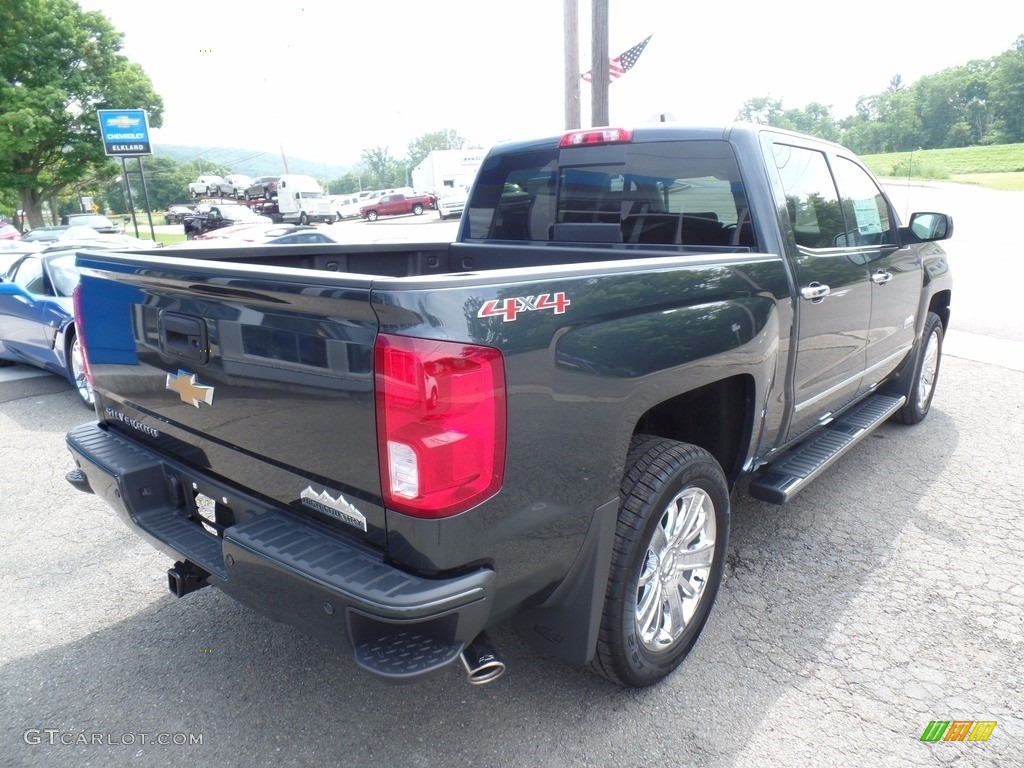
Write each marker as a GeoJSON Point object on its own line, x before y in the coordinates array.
{"type": "Point", "coordinates": [572, 64]}
{"type": "Point", "coordinates": [599, 64]}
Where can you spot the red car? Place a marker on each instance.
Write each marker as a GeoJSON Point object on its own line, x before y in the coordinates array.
{"type": "Point", "coordinates": [396, 205]}
{"type": "Point", "coordinates": [8, 231]}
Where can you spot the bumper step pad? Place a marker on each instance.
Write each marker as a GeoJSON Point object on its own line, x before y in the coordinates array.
{"type": "Point", "coordinates": [404, 655]}
{"type": "Point", "coordinates": [781, 480]}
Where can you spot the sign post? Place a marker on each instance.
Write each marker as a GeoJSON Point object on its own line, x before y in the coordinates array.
{"type": "Point", "coordinates": [125, 133]}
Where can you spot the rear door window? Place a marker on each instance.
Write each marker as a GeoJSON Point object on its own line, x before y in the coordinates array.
{"type": "Point", "coordinates": [812, 200]}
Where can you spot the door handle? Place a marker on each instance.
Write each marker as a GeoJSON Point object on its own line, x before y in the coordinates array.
{"type": "Point", "coordinates": [881, 277]}
{"type": "Point", "coordinates": [815, 292]}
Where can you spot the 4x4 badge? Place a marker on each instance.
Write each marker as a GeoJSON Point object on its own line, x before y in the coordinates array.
{"type": "Point", "coordinates": [184, 383]}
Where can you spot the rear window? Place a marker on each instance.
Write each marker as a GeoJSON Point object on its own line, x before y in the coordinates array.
{"type": "Point", "coordinates": [664, 193]}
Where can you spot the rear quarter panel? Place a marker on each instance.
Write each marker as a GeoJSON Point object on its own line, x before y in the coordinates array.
{"type": "Point", "coordinates": [629, 336]}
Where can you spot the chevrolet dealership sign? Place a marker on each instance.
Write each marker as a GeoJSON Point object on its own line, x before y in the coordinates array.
{"type": "Point", "coordinates": [125, 132]}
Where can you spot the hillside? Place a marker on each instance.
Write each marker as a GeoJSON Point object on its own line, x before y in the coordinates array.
{"type": "Point", "coordinates": [250, 162]}
{"type": "Point", "coordinates": [949, 163]}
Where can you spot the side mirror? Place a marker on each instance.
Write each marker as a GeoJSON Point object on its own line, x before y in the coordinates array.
{"type": "Point", "coordinates": [928, 226]}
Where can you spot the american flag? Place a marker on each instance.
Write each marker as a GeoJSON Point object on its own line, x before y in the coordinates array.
{"type": "Point", "coordinates": [622, 63]}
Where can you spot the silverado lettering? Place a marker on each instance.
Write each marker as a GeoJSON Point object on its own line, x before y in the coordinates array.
{"type": "Point", "coordinates": [542, 422]}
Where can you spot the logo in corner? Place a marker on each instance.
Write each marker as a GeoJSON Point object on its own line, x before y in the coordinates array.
{"type": "Point", "coordinates": [184, 383]}
{"type": "Point", "coordinates": [958, 730]}
{"type": "Point", "coordinates": [339, 508]}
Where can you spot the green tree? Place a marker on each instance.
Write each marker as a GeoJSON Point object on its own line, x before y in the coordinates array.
{"type": "Point", "coordinates": [419, 148]}
{"type": "Point", "coordinates": [166, 184]}
{"type": "Point", "coordinates": [1008, 93]}
{"type": "Point", "coordinates": [381, 169]}
{"type": "Point", "coordinates": [763, 110]}
{"type": "Point", "coordinates": [346, 185]}
{"type": "Point", "coordinates": [58, 66]}
{"type": "Point", "coordinates": [814, 119]}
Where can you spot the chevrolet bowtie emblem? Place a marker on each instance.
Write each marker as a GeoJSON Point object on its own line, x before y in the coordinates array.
{"type": "Point", "coordinates": [123, 121]}
{"type": "Point", "coordinates": [184, 383]}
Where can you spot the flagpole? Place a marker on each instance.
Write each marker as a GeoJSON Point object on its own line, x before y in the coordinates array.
{"type": "Point", "coordinates": [599, 63]}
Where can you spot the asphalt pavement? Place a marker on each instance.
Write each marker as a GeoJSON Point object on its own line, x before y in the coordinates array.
{"type": "Point", "coordinates": [886, 596]}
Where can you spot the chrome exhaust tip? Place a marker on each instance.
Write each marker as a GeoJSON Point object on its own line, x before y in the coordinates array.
{"type": "Point", "coordinates": [481, 661]}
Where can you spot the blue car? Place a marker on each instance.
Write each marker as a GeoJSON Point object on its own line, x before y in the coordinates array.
{"type": "Point", "coordinates": [37, 323]}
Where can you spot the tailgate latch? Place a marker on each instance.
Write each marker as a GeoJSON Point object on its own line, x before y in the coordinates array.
{"type": "Point", "coordinates": [184, 337]}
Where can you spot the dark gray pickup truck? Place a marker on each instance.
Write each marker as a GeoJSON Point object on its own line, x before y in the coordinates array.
{"type": "Point", "coordinates": [396, 447]}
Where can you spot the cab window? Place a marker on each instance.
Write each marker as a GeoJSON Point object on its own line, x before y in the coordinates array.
{"type": "Point", "coordinates": [657, 193]}
{"type": "Point", "coordinates": [30, 276]}
{"type": "Point", "coordinates": [812, 200]}
{"type": "Point", "coordinates": [864, 207]}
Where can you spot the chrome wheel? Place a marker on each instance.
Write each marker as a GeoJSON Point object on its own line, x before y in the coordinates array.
{"type": "Point", "coordinates": [78, 377]}
{"type": "Point", "coordinates": [676, 569]}
{"type": "Point", "coordinates": [929, 368]}
{"type": "Point", "coordinates": [667, 560]}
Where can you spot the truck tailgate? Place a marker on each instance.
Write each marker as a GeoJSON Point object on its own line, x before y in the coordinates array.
{"type": "Point", "coordinates": [262, 378]}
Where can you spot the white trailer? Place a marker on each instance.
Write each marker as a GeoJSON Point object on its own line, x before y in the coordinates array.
{"type": "Point", "coordinates": [445, 169]}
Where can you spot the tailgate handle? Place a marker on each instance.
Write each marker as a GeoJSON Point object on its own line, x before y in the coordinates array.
{"type": "Point", "coordinates": [184, 337]}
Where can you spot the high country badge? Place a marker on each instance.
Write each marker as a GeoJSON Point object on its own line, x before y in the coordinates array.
{"type": "Point", "coordinates": [339, 508]}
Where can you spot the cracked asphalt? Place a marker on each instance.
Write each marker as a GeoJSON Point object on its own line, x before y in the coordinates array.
{"type": "Point", "coordinates": [887, 595]}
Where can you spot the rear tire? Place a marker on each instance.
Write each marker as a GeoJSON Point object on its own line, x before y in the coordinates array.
{"type": "Point", "coordinates": [925, 374]}
{"type": "Point", "coordinates": [667, 561]}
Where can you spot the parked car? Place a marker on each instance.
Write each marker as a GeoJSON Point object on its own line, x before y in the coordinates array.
{"type": "Point", "coordinates": [235, 185]}
{"type": "Point", "coordinates": [44, 234]}
{"type": "Point", "coordinates": [207, 216]}
{"type": "Point", "coordinates": [260, 234]}
{"type": "Point", "coordinates": [451, 203]}
{"type": "Point", "coordinates": [347, 206]}
{"type": "Point", "coordinates": [97, 221]}
{"type": "Point", "coordinates": [37, 317]}
{"type": "Point", "coordinates": [205, 186]}
{"type": "Point", "coordinates": [262, 186]}
{"type": "Point", "coordinates": [8, 231]}
{"type": "Point", "coordinates": [45, 237]}
{"type": "Point", "coordinates": [176, 213]}
{"type": "Point", "coordinates": [396, 205]}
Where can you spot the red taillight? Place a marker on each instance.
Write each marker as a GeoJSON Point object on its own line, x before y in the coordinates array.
{"type": "Point", "coordinates": [588, 136]}
{"type": "Point", "coordinates": [76, 298]}
{"type": "Point", "coordinates": [440, 424]}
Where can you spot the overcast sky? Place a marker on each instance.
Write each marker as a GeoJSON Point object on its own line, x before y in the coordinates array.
{"type": "Point", "coordinates": [325, 79]}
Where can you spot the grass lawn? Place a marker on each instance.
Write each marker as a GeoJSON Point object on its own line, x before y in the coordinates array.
{"type": "Point", "coordinates": [1010, 181]}
{"type": "Point", "coordinates": [163, 238]}
{"type": "Point", "coordinates": [999, 166]}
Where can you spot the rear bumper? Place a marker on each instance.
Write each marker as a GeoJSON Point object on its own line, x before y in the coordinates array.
{"type": "Point", "coordinates": [401, 626]}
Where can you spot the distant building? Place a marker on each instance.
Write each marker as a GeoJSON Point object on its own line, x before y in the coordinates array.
{"type": "Point", "coordinates": [447, 168]}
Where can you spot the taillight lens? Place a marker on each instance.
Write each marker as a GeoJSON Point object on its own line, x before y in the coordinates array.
{"type": "Point", "coordinates": [76, 298]}
{"type": "Point", "coordinates": [588, 136]}
{"type": "Point", "coordinates": [440, 424]}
